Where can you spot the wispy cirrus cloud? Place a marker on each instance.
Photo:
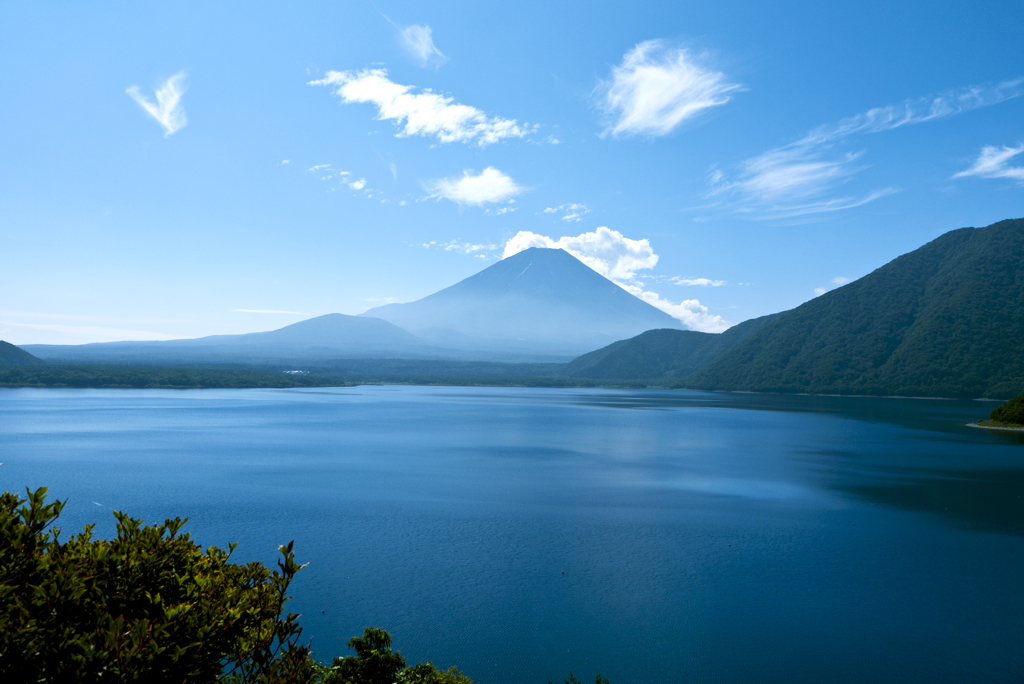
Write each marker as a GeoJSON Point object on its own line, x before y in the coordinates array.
{"type": "Point", "coordinates": [328, 172]}
{"type": "Point", "coordinates": [573, 212]}
{"type": "Point", "coordinates": [425, 113]}
{"type": "Point", "coordinates": [619, 259]}
{"type": "Point", "coordinates": [657, 87]}
{"type": "Point", "coordinates": [801, 178]}
{"type": "Point", "coordinates": [418, 41]}
{"type": "Point", "coordinates": [479, 250]}
{"type": "Point", "coordinates": [992, 162]}
{"type": "Point", "coordinates": [490, 186]}
{"type": "Point", "coordinates": [167, 109]}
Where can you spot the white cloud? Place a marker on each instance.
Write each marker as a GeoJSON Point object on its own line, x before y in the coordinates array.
{"type": "Point", "coordinates": [271, 311]}
{"type": "Point", "coordinates": [818, 291]}
{"type": "Point", "coordinates": [286, 161]}
{"type": "Point", "coordinates": [488, 187]}
{"type": "Point", "coordinates": [840, 280]}
{"type": "Point", "coordinates": [657, 87]}
{"type": "Point", "coordinates": [167, 109]}
{"type": "Point", "coordinates": [992, 163]}
{"type": "Point", "coordinates": [796, 179]}
{"type": "Point", "coordinates": [358, 185]}
{"type": "Point", "coordinates": [426, 114]}
{"type": "Point", "coordinates": [699, 282]}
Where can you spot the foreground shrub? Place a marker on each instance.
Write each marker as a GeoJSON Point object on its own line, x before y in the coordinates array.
{"type": "Point", "coordinates": [376, 663]}
{"type": "Point", "coordinates": [148, 605]}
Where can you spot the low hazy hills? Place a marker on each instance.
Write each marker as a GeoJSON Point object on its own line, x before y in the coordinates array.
{"type": "Point", "coordinates": [539, 300]}
{"type": "Point", "coordinates": [11, 355]}
{"type": "Point", "coordinates": [330, 336]}
{"type": "Point", "coordinates": [944, 320]}
{"type": "Point", "coordinates": [147, 377]}
{"type": "Point", "coordinates": [663, 357]}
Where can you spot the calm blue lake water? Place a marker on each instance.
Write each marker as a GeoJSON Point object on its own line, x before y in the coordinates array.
{"type": "Point", "coordinates": [520, 533]}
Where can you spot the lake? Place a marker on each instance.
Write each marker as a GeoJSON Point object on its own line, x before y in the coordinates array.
{"type": "Point", "coordinates": [652, 536]}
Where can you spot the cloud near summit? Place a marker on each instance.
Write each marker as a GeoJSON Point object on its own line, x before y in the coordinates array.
{"type": "Point", "coordinates": [606, 251]}
{"type": "Point", "coordinates": [618, 258]}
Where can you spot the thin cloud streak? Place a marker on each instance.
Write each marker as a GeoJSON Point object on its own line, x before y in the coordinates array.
{"type": "Point", "coordinates": [167, 109]}
{"type": "Point", "coordinates": [89, 333]}
{"type": "Point", "coordinates": [795, 179]}
{"type": "Point", "coordinates": [697, 282]}
{"type": "Point", "coordinates": [271, 311]}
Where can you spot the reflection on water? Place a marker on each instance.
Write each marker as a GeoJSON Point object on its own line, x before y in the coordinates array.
{"type": "Point", "coordinates": [522, 533]}
{"type": "Point", "coordinates": [973, 499]}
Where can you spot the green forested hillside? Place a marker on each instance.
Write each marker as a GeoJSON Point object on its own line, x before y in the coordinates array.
{"type": "Point", "coordinates": [1010, 413]}
{"type": "Point", "coordinates": [11, 355]}
{"type": "Point", "coordinates": [944, 320]}
{"type": "Point", "coordinates": [659, 357]}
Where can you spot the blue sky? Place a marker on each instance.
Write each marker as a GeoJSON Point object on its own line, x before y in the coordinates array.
{"type": "Point", "coordinates": [333, 156]}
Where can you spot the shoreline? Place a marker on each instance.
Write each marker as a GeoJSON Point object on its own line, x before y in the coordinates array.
{"type": "Point", "coordinates": [996, 427]}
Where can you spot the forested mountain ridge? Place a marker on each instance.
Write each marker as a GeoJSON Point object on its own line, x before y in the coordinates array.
{"type": "Point", "coordinates": [11, 355]}
{"type": "Point", "coordinates": [944, 320]}
{"type": "Point", "coordinates": [662, 356]}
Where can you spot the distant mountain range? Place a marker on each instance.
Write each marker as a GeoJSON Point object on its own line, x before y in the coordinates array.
{"type": "Point", "coordinates": [323, 337]}
{"type": "Point", "coordinates": [538, 305]}
{"type": "Point", "coordinates": [537, 301]}
{"type": "Point", "coordinates": [944, 320]}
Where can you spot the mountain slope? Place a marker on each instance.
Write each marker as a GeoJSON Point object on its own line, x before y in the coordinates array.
{"type": "Point", "coordinates": [541, 300]}
{"type": "Point", "coordinates": [329, 336]}
{"type": "Point", "coordinates": [660, 356]}
{"type": "Point", "coordinates": [11, 355]}
{"type": "Point", "coordinates": [944, 320]}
